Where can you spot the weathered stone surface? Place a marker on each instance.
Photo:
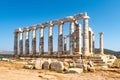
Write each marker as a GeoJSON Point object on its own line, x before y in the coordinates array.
{"type": "Point", "coordinates": [75, 70]}
{"type": "Point", "coordinates": [88, 66]}
{"type": "Point", "coordinates": [66, 65]}
{"type": "Point", "coordinates": [101, 44]}
{"type": "Point", "coordinates": [79, 64]}
{"type": "Point", "coordinates": [46, 64]}
{"type": "Point", "coordinates": [38, 64]}
{"type": "Point", "coordinates": [57, 66]}
{"type": "Point", "coordinates": [28, 66]}
{"type": "Point", "coordinates": [70, 62]}
{"type": "Point", "coordinates": [31, 62]}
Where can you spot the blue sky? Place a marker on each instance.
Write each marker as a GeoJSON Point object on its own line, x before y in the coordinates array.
{"type": "Point", "coordinates": [104, 17]}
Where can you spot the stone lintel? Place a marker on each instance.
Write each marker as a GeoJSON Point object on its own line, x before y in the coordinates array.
{"type": "Point", "coordinates": [32, 28]}
{"type": "Point", "coordinates": [19, 30]}
{"type": "Point", "coordinates": [55, 22]}
{"type": "Point", "coordinates": [47, 24]}
{"type": "Point", "coordinates": [26, 29]}
{"type": "Point", "coordinates": [68, 19]}
{"type": "Point", "coordinates": [39, 26]}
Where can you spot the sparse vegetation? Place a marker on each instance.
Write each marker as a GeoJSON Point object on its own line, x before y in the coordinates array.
{"type": "Point", "coordinates": [116, 64]}
{"type": "Point", "coordinates": [108, 51]}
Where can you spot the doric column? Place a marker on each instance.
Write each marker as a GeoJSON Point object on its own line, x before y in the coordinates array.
{"type": "Point", "coordinates": [60, 39]}
{"type": "Point", "coordinates": [21, 43]}
{"type": "Point", "coordinates": [41, 47]}
{"type": "Point", "coordinates": [85, 36]}
{"type": "Point", "coordinates": [15, 43]}
{"type": "Point", "coordinates": [78, 38]}
{"type": "Point", "coordinates": [50, 39]}
{"type": "Point", "coordinates": [90, 41]}
{"type": "Point", "coordinates": [34, 41]}
{"type": "Point", "coordinates": [101, 44]}
{"type": "Point", "coordinates": [65, 44]}
{"type": "Point", "coordinates": [71, 38]}
{"type": "Point", "coordinates": [27, 42]}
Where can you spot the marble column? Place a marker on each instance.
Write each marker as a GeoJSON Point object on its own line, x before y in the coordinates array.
{"type": "Point", "coordinates": [34, 41]}
{"type": "Point", "coordinates": [60, 39]}
{"type": "Point", "coordinates": [27, 42]}
{"type": "Point", "coordinates": [41, 46]}
{"type": "Point", "coordinates": [78, 38]}
{"type": "Point", "coordinates": [101, 44]}
{"type": "Point", "coordinates": [15, 43]}
{"type": "Point", "coordinates": [71, 38]}
{"type": "Point", "coordinates": [65, 44]}
{"type": "Point", "coordinates": [50, 40]}
{"type": "Point", "coordinates": [90, 41]}
{"type": "Point", "coordinates": [21, 43]}
{"type": "Point", "coordinates": [85, 36]}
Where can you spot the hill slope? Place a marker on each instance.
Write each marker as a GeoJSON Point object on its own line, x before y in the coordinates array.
{"type": "Point", "coordinates": [108, 51]}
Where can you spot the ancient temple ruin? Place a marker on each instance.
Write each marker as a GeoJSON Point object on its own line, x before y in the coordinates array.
{"type": "Point", "coordinates": [76, 37]}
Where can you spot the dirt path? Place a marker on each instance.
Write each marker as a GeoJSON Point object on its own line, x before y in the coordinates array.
{"type": "Point", "coordinates": [10, 71]}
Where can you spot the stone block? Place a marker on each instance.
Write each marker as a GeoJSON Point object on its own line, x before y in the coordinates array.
{"type": "Point", "coordinates": [74, 70]}
{"type": "Point", "coordinates": [27, 66]}
{"type": "Point", "coordinates": [57, 66]}
{"type": "Point", "coordinates": [46, 64]}
{"type": "Point", "coordinates": [66, 66]}
{"type": "Point", "coordinates": [38, 64]}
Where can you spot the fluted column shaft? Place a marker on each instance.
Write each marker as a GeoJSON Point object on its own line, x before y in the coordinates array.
{"type": "Point", "coordinates": [60, 39]}
{"type": "Point", "coordinates": [90, 42]}
{"type": "Point", "coordinates": [41, 41]}
{"type": "Point", "coordinates": [15, 43]}
{"type": "Point", "coordinates": [71, 38]}
{"type": "Point", "coordinates": [34, 42]}
{"type": "Point", "coordinates": [50, 40]}
{"type": "Point", "coordinates": [65, 44]}
{"type": "Point", "coordinates": [21, 43]}
{"type": "Point", "coordinates": [85, 37]}
{"type": "Point", "coordinates": [27, 43]}
{"type": "Point", "coordinates": [78, 38]}
{"type": "Point", "coordinates": [101, 43]}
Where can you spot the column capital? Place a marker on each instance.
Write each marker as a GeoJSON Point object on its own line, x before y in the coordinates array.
{"type": "Point", "coordinates": [16, 32]}
{"type": "Point", "coordinates": [85, 16]}
{"type": "Point", "coordinates": [51, 25]}
{"type": "Point", "coordinates": [61, 22]}
{"type": "Point", "coordinates": [101, 33]}
{"type": "Point", "coordinates": [40, 26]}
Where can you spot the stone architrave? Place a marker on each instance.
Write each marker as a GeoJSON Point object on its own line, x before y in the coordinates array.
{"type": "Point", "coordinates": [72, 38]}
{"type": "Point", "coordinates": [60, 39]}
{"type": "Point", "coordinates": [21, 43]}
{"type": "Point", "coordinates": [101, 44]}
{"type": "Point", "coordinates": [15, 43]}
{"type": "Point", "coordinates": [78, 38]}
{"type": "Point", "coordinates": [41, 41]}
{"type": "Point", "coordinates": [50, 39]}
{"type": "Point", "coordinates": [85, 36]}
{"type": "Point", "coordinates": [34, 41]}
{"type": "Point", "coordinates": [27, 42]}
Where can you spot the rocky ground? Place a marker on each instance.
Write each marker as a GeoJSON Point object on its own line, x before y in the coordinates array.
{"type": "Point", "coordinates": [15, 71]}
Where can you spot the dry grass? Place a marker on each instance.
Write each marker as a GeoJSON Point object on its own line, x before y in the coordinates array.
{"type": "Point", "coordinates": [11, 65]}
{"type": "Point", "coordinates": [116, 64]}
